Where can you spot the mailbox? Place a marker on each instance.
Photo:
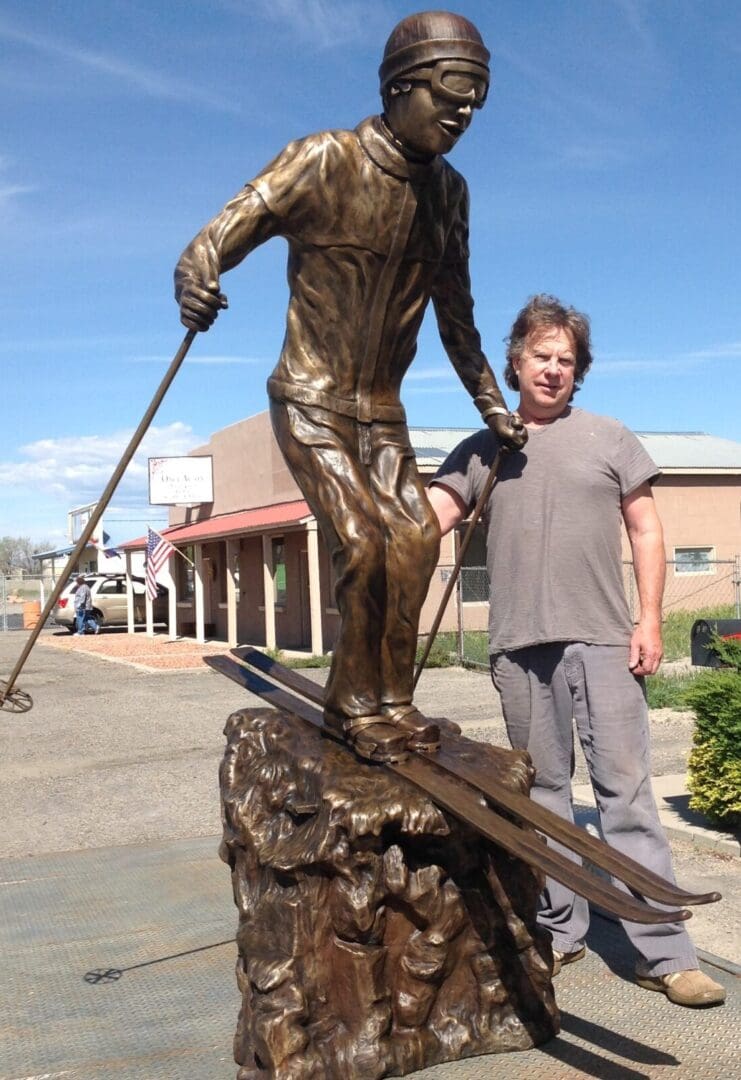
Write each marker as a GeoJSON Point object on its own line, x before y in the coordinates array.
{"type": "Point", "coordinates": [701, 633]}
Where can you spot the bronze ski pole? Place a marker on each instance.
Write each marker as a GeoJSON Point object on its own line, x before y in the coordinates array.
{"type": "Point", "coordinates": [15, 700]}
{"type": "Point", "coordinates": [468, 536]}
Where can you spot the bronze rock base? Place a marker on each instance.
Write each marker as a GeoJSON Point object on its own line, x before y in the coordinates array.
{"type": "Point", "coordinates": [377, 934]}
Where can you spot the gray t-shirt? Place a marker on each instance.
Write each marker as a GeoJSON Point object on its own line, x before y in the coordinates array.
{"type": "Point", "coordinates": [553, 528]}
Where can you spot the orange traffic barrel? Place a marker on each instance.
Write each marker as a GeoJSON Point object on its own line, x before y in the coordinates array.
{"type": "Point", "coordinates": [31, 613]}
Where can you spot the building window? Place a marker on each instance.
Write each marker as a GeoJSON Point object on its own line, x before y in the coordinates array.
{"type": "Point", "coordinates": [697, 560]}
{"type": "Point", "coordinates": [279, 571]}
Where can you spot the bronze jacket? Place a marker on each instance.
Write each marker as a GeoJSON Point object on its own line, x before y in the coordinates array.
{"type": "Point", "coordinates": [372, 238]}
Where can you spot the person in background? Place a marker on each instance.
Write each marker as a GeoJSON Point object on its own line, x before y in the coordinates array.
{"type": "Point", "coordinates": [563, 647]}
{"type": "Point", "coordinates": [83, 606]}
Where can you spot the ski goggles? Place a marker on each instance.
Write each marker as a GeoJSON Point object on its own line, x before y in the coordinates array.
{"type": "Point", "coordinates": [445, 74]}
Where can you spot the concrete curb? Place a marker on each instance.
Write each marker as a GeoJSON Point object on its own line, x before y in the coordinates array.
{"type": "Point", "coordinates": [677, 819]}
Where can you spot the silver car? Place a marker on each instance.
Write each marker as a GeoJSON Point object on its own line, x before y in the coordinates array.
{"type": "Point", "coordinates": [109, 601]}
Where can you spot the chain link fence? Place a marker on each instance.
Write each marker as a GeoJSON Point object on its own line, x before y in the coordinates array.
{"type": "Point", "coordinates": [714, 590]}
{"type": "Point", "coordinates": [22, 598]}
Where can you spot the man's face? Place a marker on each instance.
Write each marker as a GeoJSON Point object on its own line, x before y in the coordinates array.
{"type": "Point", "coordinates": [428, 122]}
{"type": "Point", "coordinates": [546, 372]}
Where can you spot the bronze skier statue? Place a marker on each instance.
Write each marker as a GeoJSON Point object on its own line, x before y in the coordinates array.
{"type": "Point", "coordinates": [377, 226]}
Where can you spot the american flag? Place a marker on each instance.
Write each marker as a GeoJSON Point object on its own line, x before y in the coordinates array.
{"type": "Point", "coordinates": [159, 551]}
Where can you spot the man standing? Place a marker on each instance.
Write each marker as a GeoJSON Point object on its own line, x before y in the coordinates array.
{"type": "Point", "coordinates": [563, 648]}
{"type": "Point", "coordinates": [83, 605]}
{"type": "Point", "coordinates": [377, 226]}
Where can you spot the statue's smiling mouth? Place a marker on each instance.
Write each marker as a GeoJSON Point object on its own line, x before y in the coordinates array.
{"type": "Point", "coordinates": [452, 127]}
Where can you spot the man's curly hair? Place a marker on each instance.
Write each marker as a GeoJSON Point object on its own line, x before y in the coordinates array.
{"type": "Point", "coordinates": [544, 312]}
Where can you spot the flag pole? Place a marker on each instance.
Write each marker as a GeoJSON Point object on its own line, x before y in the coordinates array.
{"type": "Point", "coordinates": [18, 699]}
{"type": "Point", "coordinates": [176, 550]}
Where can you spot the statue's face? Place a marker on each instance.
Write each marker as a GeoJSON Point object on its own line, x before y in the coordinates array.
{"type": "Point", "coordinates": [430, 117]}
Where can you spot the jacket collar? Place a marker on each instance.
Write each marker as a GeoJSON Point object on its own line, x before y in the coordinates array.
{"type": "Point", "coordinates": [379, 145]}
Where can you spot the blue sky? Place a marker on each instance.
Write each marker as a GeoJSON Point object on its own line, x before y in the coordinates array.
{"type": "Point", "coordinates": [605, 169]}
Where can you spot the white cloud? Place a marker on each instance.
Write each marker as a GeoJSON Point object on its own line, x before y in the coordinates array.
{"type": "Point", "coordinates": [224, 360]}
{"type": "Point", "coordinates": [626, 365]}
{"type": "Point", "coordinates": [134, 76]}
{"type": "Point", "coordinates": [620, 364]}
{"type": "Point", "coordinates": [325, 23]}
{"type": "Point", "coordinates": [553, 94]}
{"type": "Point", "coordinates": [636, 14]}
{"type": "Point", "coordinates": [433, 389]}
{"type": "Point", "coordinates": [717, 352]}
{"type": "Point", "coordinates": [425, 374]}
{"type": "Point", "coordinates": [9, 191]}
{"type": "Point", "coordinates": [92, 342]}
{"type": "Point", "coordinates": [597, 154]}
{"type": "Point", "coordinates": [76, 469]}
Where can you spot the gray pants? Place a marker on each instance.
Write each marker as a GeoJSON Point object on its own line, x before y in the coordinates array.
{"type": "Point", "coordinates": [544, 690]}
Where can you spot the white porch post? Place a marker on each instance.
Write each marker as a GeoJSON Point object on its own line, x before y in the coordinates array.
{"type": "Point", "coordinates": [199, 594]}
{"type": "Point", "coordinates": [129, 596]}
{"type": "Point", "coordinates": [269, 583]}
{"type": "Point", "coordinates": [315, 592]}
{"type": "Point", "coordinates": [172, 600]}
{"type": "Point", "coordinates": [149, 610]}
{"type": "Point", "coordinates": [232, 592]}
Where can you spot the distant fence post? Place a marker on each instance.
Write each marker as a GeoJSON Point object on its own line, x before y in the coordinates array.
{"type": "Point", "coordinates": [3, 603]}
{"type": "Point", "coordinates": [737, 583]}
{"type": "Point", "coordinates": [459, 606]}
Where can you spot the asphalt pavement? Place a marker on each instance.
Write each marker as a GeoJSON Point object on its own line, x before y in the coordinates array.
{"type": "Point", "coordinates": [115, 754]}
{"type": "Point", "coordinates": [117, 918]}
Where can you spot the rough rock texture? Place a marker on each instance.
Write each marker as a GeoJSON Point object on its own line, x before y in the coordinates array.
{"type": "Point", "coordinates": [377, 935]}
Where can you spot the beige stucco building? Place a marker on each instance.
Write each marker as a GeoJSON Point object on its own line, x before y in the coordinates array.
{"type": "Point", "coordinates": [261, 573]}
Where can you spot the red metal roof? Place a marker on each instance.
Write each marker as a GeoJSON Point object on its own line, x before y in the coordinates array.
{"type": "Point", "coordinates": [262, 517]}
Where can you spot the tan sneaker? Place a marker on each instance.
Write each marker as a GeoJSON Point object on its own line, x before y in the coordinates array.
{"type": "Point", "coordinates": [691, 988]}
{"type": "Point", "coordinates": [561, 958]}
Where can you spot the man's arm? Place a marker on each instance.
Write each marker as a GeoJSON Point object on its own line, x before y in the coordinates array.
{"type": "Point", "coordinates": [450, 508]}
{"type": "Point", "coordinates": [649, 561]}
{"type": "Point", "coordinates": [242, 225]}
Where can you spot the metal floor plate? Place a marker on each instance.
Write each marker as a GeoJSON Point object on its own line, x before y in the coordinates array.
{"type": "Point", "coordinates": [119, 962]}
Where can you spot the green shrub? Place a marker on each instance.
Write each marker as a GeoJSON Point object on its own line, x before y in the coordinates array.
{"type": "Point", "coordinates": [677, 626]}
{"type": "Point", "coordinates": [668, 691]}
{"type": "Point", "coordinates": [442, 654]}
{"type": "Point", "coordinates": [309, 661]}
{"type": "Point", "coordinates": [476, 648]}
{"type": "Point", "coordinates": [299, 661]}
{"type": "Point", "coordinates": [715, 759]}
{"type": "Point", "coordinates": [727, 650]}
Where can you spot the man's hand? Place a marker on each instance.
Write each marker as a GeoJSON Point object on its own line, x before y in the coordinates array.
{"type": "Point", "coordinates": [199, 303]}
{"type": "Point", "coordinates": [509, 429]}
{"type": "Point", "coordinates": [646, 649]}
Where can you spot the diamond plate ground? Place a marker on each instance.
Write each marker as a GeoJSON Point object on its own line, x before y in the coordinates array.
{"type": "Point", "coordinates": [160, 914]}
